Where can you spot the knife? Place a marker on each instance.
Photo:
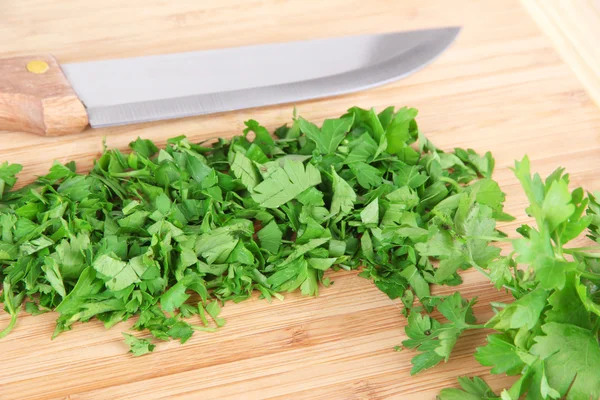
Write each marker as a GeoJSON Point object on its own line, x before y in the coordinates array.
{"type": "Point", "coordinates": [39, 95]}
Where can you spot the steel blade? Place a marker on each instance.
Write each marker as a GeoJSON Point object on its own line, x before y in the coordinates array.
{"type": "Point", "coordinates": [151, 88]}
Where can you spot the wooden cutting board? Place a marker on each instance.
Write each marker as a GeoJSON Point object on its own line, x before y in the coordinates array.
{"type": "Point", "coordinates": [501, 87]}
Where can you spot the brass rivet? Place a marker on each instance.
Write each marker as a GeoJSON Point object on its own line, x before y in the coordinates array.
{"type": "Point", "coordinates": [37, 66]}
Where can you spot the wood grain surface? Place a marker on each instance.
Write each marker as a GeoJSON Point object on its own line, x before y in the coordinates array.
{"type": "Point", "coordinates": [501, 87]}
{"type": "Point", "coordinates": [574, 28]}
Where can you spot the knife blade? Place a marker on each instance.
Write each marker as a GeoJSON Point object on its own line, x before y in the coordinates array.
{"type": "Point", "coordinates": [151, 88]}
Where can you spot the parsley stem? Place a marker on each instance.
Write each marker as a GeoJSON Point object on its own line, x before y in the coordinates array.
{"type": "Point", "coordinates": [478, 326]}
{"type": "Point", "coordinates": [203, 328]}
{"type": "Point", "coordinates": [585, 254]}
{"type": "Point", "coordinates": [596, 326]}
{"type": "Point", "coordinates": [451, 182]}
{"type": "Point", "coordinates": [590, 275]}
{"type": "Point", "coordinates": [581, 249]}
{"type": "Point", "coordinates": [8, 302]}
{"type": "Point", "coordinates": [10, 326]}
{"type": "Point", "coordinates": [559, 248]}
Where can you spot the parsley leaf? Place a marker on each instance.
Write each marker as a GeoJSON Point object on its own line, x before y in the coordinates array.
{"type": "Point", "coordinates": [572, 359]}
{"type": "Point", "coordinates": [472, 389]}
{"type": "Point", "coordinates": [284, 184]}
{"type": "Point", "coordinates": [138, 346]}
{"type": "Point", "coordinates": [331, 134]}
{"type": "Point", "coordinates": [343, 196]}
{"type": "Point", "coordinates": [434, 339]}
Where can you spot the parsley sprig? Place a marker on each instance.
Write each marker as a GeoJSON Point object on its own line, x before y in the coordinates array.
{"type": "Point", "coordinates": [548, 336]}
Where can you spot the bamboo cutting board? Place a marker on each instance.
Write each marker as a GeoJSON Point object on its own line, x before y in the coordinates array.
{"type": "Point", "coordinates": [501, 87]}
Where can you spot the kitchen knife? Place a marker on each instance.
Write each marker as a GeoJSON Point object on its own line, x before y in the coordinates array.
{"type": "Point", "coordinates": [40, 96]}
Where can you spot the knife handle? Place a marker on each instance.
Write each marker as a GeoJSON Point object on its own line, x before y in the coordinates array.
{"type": "Point", "coordinates": [36, 97]}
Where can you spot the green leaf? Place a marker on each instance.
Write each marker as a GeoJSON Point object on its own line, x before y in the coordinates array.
{"type": "Point", "coordinates": [8, 177]}
{"type": "Point", "coordinates": [416, 281]}
{"type": "Point", "coordinates": [244, 170]}
{"type": "Point", "coordinates": [419, 329]}
{"type": "Point", "coordinates": [438, 245]}
{"type": "Point", "coordinates": [366, 175]}
{"type": "Point", "coordinates": [118, 274]}
{"type": "Point", "coordinates": [34, 309]}
{"type": "Point", "coordinates": [533, 188]}
{"type": "Point", "coordinates": [362, 149]}
{"type": "Point", "coordinates": [538, 252]}
{"type": "Point", "coordinates": [524, 312]}
{"type": "Point", "coordinates": [262, 139]}
{"type": "Point", "coordinates": [398, 132]}
{"type": "Point", "coordinates": [331, 134]}
{"type": "Point", "coordinates": [284, 184]}
{"type": "Point", "coordinates": [270, 237]}
{"type": "Point", "coordinates": [586, 298]}
{"type": "Point", "coordinates": [477, 225]}
{"type": "Point", "coordinates": [488, 192]}
{"type": "Point", "coordinates": [290, 276]}
{"type": "Point", "coordinates": [138, 346]}
{"type": "Point", "coordinates": [144, 147]}
{"type": "Point", "coordinates": [448, 267]}
{"type": "Point", "coordinates": [70, 255]}
{"type": "Point", "coordinates": [370, 121]}
{"type": "Point", "coordinates": [53, 276]}
{"type": "Point", "coordinates": [343, 196]}
{"type": "Point", "coordinates": [394, 285]}
{"type": "Point", "coordinates": [501, 354]}
{"type": "Point", "coordinates": [557, 207]}
{"type": "Point", "coordinates": [425, 360]}
{"type": "Point", "coordinates": [305, 248]}
{"type": "Point", "coordinates": [483, 165]}
{"type": "Point", "coordinates": [409, 175]}
{"type": "Point", "coordinates": [35, 245]}
{"type": "Point", "coordinates": [173, 298]}
{"type": "Point", "coordinates": [213, 309]}
{"type": "Point", "coordinates": [321, 264]}
{"type": "Point", "coordinates": [312, 230]}
{"type": "Point", "coordinates": [436, 340]}
{"type": "Point", "coordinates": [473, 389]}
{"type": "Point", "coordinates": [256, 154]}
{"type": "Point", "coordinates": [216, 246]}
{"type": "Point", "coordinates": [567, 306]}
{"type": "Point", "coordinates": [200, 172]}
{"type": "Point", "coordinates": [181, 330]}
{"type": "Point", "coordinates": [500, 273]}
{"type": "Point", "coordinates": [457, 310]}
{"type": "Point", "coordinates": [370, 214]}
{"type": "Point", "coordinates": [86, 286]}
{"type": "Point", "coordinates": [241, 255]}
{"type": "Point", "coordinates": [572, 360]}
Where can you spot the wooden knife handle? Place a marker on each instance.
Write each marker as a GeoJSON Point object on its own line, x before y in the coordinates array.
{"type": "Point", "coordinates": [36, 97]}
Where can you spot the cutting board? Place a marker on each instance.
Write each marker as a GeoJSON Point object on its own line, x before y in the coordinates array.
{"type": "Point", "coordinates": [501, 87]}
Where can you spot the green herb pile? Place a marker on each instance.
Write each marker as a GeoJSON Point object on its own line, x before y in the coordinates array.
{"type": "Point", "coordinates": [549, 334]}
{"type": "Point", "coordinates": [168, 234]}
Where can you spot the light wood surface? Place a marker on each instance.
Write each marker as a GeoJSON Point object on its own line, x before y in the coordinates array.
{"type": "Point", "coordinates": [501, 87]}
{"type": "Point", "coordinates": [36, 97]}
{"type": "Point", "coordinates": [574, 28]}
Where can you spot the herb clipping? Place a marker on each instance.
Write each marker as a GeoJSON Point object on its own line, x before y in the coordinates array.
{"type": "Point", "coordinates": [167, 234]}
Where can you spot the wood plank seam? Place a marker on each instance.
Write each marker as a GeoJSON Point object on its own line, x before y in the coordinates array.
{"type": "Point", "coordinates": [572, 26]}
